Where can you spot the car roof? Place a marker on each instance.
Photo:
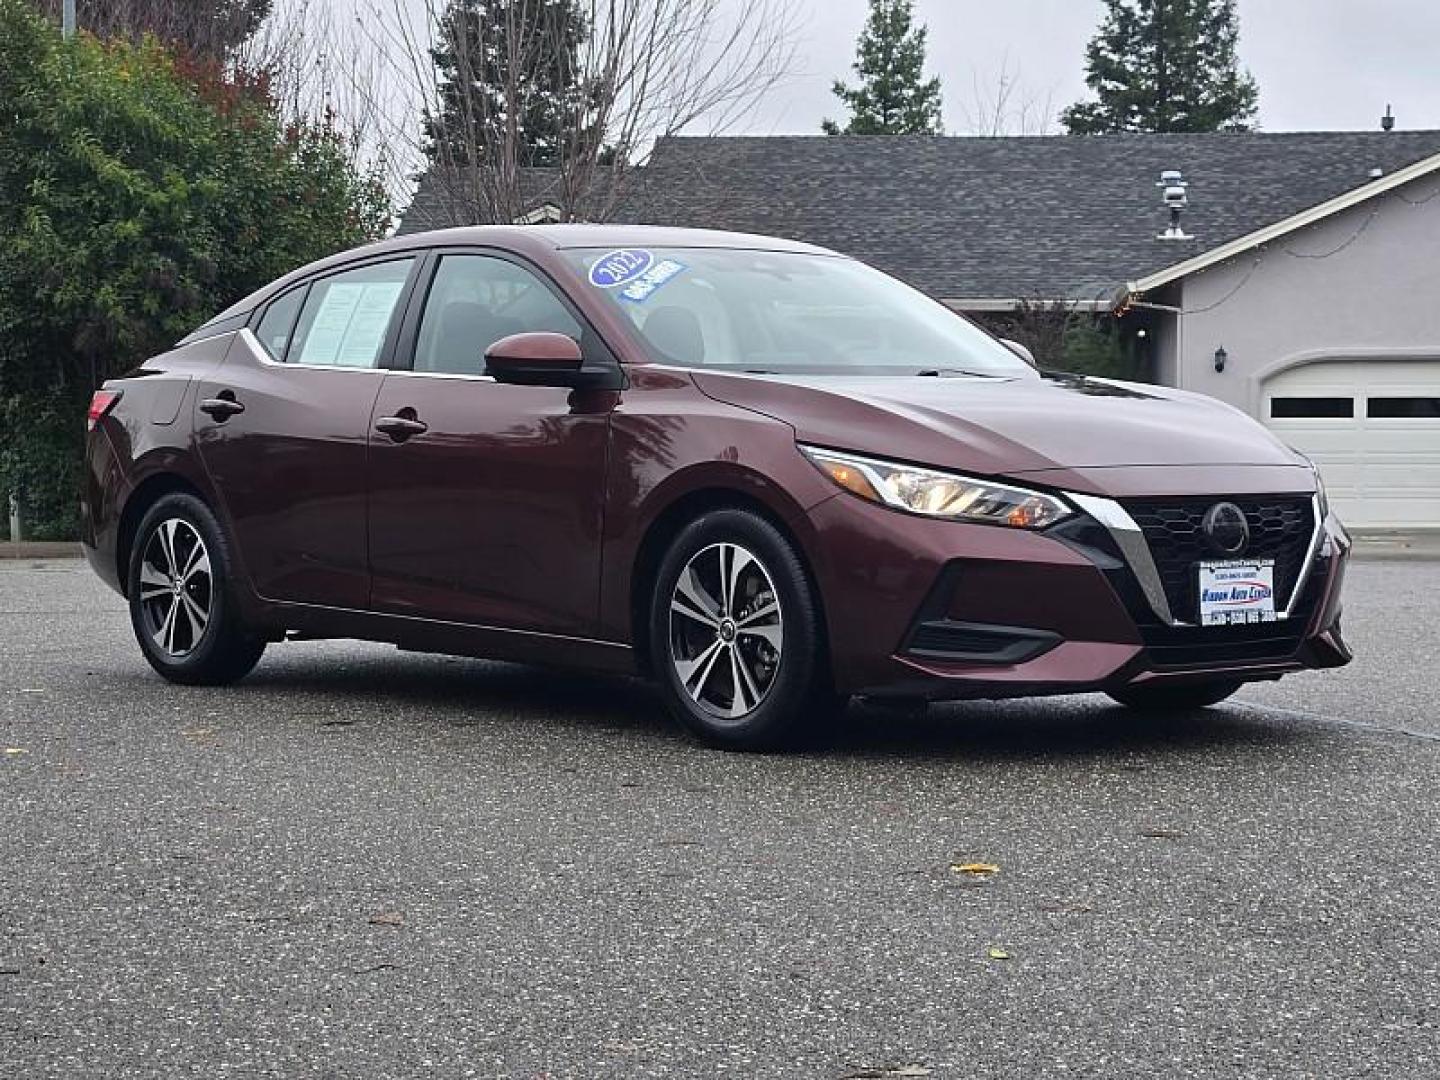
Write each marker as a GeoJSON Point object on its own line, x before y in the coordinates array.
{"type": "Point", "coordinates": [522, 239]}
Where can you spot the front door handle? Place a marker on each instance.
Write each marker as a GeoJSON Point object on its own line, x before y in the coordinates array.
{"type": "Point", "coordinates": [400, 428]}
{"type": "Point", "coordinates": [222, 407]}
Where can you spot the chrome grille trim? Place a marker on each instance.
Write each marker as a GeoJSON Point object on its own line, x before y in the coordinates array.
{"type": "Point", "coordinates": [1130, 539]}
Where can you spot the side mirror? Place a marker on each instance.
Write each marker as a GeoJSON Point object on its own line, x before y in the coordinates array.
{"type": "Point", "coordinates": [1020, 351]}
{"type": "Point", "coordinates": [535, 359]}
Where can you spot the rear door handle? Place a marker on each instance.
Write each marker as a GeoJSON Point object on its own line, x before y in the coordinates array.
{"type": "Point", "coordinates": [222, 407]}
{"type": "Point", "coordinates": [400, 428]}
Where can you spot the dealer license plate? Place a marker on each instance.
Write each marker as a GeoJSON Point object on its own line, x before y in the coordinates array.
{"type": "Point", "coordinates": [1237, 592]}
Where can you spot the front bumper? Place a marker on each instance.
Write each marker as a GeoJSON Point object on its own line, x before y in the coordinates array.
{"type": "Point", "coordinates": [943, 610]}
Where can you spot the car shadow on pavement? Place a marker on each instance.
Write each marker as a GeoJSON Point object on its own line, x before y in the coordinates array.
{"type": "Point", "coordinates": [1088, 726]}
{"type": "Point", "coordinates": [457, 692]}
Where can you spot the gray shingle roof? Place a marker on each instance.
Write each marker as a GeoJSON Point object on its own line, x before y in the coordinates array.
{"type": "Point", "coordinates": [1052, 217]}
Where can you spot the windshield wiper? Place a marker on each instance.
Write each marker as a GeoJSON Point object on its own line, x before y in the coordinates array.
{"type": "Point", "coordinates": [937, 373]}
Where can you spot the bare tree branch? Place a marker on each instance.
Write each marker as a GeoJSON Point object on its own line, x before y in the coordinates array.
{"type": "Point", "coordinates": [643, 70]}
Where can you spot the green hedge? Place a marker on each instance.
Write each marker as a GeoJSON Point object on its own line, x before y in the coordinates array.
{"type": "Point", "coordinates": [139, 194]}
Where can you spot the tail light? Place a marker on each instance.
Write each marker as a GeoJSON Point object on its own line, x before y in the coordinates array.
{"type": "Point", "coordinates": [100, 405]}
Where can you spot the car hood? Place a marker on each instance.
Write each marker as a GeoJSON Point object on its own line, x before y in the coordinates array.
{"type": "Point", "coordinates": [1053, 424]}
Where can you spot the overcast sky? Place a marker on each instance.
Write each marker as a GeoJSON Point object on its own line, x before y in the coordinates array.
{"type": "Point", "coordinates": [1321, 64]}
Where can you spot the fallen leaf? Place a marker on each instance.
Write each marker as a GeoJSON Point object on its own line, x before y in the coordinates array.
{"type": "Point", "coordinates": [998, 954]}
{"type": "Point", "coordinates": [387, 918]}
{"type": "Point", "coordinates": [975, 869]}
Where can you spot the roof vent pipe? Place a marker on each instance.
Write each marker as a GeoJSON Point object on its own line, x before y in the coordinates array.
{"type": "Point", "coordinates": [1176, 200]}
{"type": "Point", "coordinates": [1387, 122]}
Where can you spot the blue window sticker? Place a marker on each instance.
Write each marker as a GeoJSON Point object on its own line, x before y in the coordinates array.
{"type": "Point", "coordinates": [641, 289]}
{"type": "Point", "coordinates": [618, 267]}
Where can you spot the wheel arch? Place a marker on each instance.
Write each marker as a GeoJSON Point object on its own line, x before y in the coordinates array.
{"type": "Point", "coordinates": [146, 494]}
{"type": "Point", "coordinates": [668, 523]}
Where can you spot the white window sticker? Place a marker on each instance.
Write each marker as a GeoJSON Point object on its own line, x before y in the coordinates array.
{"type": "Point", "coordinates": [350, 325]}
{"type": "Point", "coordinates": [643, 287]}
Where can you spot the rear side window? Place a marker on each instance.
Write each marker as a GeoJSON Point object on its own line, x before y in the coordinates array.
{"type": "Point", "coordinates": [279, 321]}
{"type": "Point", "coordinates": [346, 316]}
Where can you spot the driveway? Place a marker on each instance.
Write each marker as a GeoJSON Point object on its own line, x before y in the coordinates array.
{"type": "Point", "coordinates": [364, 863]}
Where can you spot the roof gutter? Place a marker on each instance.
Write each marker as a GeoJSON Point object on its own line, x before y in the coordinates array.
{"type": "Point", "coordinates": [998, 304]}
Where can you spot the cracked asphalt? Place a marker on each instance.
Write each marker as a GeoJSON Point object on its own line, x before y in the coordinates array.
{"type": "Point", "coordinates": [364, 863]}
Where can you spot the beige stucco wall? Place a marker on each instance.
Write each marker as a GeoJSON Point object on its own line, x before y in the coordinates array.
{"type": "Point", "coordinates": [1364, 283]}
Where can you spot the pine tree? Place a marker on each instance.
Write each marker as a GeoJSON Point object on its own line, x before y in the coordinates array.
{"type": "Point", "coordinates": [497, 53]}
{"type": "Point", "coordinates": [1165, 65]}
{"type": "Point", "coordinates": [893, 96]}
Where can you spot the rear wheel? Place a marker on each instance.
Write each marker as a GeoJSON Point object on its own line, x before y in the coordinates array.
{"type": "Point", "coordinates": [181, 607]}
{"type": "Point", "coordinates": [736, 635]}
{"type": "Point", "coordinates": [1175, 698]}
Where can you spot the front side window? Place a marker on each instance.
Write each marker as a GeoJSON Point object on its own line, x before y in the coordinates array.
{"type": "Point", "coordinates": [786, 313]}
{"type": "Point", "coordinates": [347, 316]}
{"type": "Point", "coordinates": [475, 301]}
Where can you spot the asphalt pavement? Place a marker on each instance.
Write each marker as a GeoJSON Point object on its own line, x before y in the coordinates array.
{"type": "Point", "coordinates": [364, 863]}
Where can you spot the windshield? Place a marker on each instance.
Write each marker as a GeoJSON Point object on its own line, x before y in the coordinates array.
{"type": "Point", "coordinates": [786, 313]}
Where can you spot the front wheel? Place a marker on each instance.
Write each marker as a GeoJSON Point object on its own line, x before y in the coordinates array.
{"type": "Point", "coordinates": [181, 606]}
{"type": "Point", "coordinates": [1182, 698]}
{"type": "Point", "coordinates": [736, 635]}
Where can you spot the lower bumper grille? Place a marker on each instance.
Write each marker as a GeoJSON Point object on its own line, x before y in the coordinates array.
{"type": "Point", "coordinates": [1203, 646]}
{"type": "Point", "coordinates": [1281, 528]}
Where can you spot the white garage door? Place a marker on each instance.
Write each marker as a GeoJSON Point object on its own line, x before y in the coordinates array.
{"type": "Point", "coordinates": [1373, 427]}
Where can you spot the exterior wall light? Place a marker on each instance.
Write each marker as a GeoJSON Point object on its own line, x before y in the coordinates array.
{"type": "Point", "coordinates": [1221, 356]}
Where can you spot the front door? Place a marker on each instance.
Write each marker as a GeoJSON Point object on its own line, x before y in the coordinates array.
{"type": "Point", "coordinates": [487, 500]}
{"type": "Point", "coordinates": [282, 427]}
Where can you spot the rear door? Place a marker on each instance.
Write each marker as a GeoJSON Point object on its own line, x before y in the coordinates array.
{"type": "Point", "coordinates": [489, 511]}
{"type": "Point", "coordinates": [283, 428]}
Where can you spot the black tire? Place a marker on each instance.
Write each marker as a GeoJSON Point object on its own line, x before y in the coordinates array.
{"type": "Point", "coordinates": [788, 698]}
{"type": "Point", "coordinates": [165, 616]}
{"type": "Point", "coordinates": [1183, 698]}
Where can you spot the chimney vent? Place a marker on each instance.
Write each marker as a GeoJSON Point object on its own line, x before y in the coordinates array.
{"type": "Point", "coordinates": [1173, 184]}
{"type": "Point", "coordinates": [1387, 122]}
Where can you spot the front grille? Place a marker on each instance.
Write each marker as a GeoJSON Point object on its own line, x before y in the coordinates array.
{"type": "Point", "coordinates": [1281, 528]}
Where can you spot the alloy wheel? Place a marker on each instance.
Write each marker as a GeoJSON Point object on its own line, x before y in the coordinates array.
{"type": "Point", "coordinates": [177, 587]}
{"type": "Point", "coordinates": [726, 630]}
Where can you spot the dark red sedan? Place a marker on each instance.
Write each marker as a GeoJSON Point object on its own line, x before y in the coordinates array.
{"type": "Point", "coordinates": [766, 475]}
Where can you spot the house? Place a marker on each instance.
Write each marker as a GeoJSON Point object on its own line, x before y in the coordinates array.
{"type": "Point", "coordinates": [1301, 282]}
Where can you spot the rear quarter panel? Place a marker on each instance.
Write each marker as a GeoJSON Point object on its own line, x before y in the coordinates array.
{"type": "Point", "coordinates": [146, 436]}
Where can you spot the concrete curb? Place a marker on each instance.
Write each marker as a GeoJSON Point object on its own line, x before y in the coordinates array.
{"type": "Point", "coordinates": [1392, 546]}
{"type": "Point", "coordinates": [39, 550]}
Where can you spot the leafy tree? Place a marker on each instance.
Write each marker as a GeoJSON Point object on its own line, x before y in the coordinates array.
{"type": "Point", "coordinates": [211, 29]}
{"type": "Point", "coordinates": [1165, 65]}
{"type": "Point", "coordinates": [893, 96]}
{"type": "Point", "coordinates": [509, 77]}
{"type": "Point", "coordinates": [137, 197]}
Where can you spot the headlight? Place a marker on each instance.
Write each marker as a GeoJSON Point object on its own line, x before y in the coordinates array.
{"type": "Point", "coordinates": [938, 494]}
